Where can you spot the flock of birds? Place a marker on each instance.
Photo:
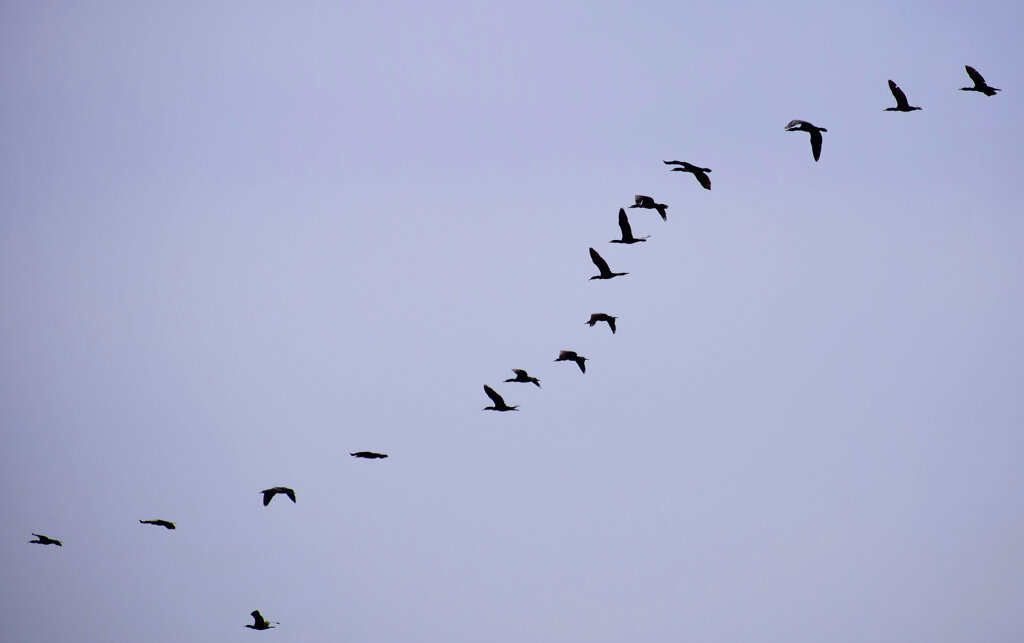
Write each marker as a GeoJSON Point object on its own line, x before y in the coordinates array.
{"type": "Point", "coordinates": [604, 272]}
{"type": "Point", "coordinates": [701, 174]}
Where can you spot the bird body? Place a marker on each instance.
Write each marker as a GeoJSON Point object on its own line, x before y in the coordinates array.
{"type": "Point", "coordinates": [268, 494]}
{"type": "Point", "coordinates": [45, 540]}
{"type": "Point", "coordinates": [602, 267]}
{"type": "Point", "coordinates": [523, 376]}
{"type": "Point", "coordinates": [260, 623]}
{"type": "Point", "coordinates": [167, 524]}
{"type": "Point", "coordinates": [499, 403]}
{"type": "Point", "coordinates": [647, 202]}
{"type": "Point", "coordinates": [627, 231]}
{"type": "Point", "coordinates": [602, 317]}
{"type": "Point", "coordinates": [698, 172]}
{"type": "Point", "coordinates": [901, 100]}
{"type": "Point", "coordinates": [571, 356]}
{"type": "Point", "coordinates": [979, 83]}
{"type": "Point", "coordinates": [370, 455]}
{"type": "Point", "coordinates": [813, 130]}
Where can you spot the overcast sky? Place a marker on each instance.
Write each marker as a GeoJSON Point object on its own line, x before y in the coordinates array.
{"type": "Point", "coordinates": [239, 240]}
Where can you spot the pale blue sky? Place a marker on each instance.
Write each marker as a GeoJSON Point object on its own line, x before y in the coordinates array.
{"type": "Point", "coordinates": [241, 240]}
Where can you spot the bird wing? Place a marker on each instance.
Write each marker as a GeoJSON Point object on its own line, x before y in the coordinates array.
{"type": "Point", "coordinates": [290, 493]}
{"type": "Point", "coordinates": [674, 162]}
{"type": "Point", "coordinates": [627, 231]}
{"type": "Point", "coordinates": [611, 324]}
{"type": "Point", "coordinates": [795, 125]}
{"type": "Point", "coordinates": [641, 199]}
{"type": "Point", "coordinates": [491, 393]}
{"type": "Point", "coordinates": [566, 355]}
{"type": "Point", "coordinates": [705, 181]}
{"type": "Point", "coordinates": [975, 76]}
{"type": "Point", "coordinates": [816, 143]}
{"type": "Point", "coordinates": [268, 495]}
{"type": "Point", "coordinates": [257, 618]}
{"type": "Point", "coordinates": [901, 98]}
{"type": "Point", "coordinates": [582, 363]}
{"type": "Point", "coordinates": [520, 372]}
{"type": "Point", "coordinates": [601, 264]}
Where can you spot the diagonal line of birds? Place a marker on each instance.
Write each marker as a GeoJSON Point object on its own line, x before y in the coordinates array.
{"type": "Point", "coordinates": [604, 273]}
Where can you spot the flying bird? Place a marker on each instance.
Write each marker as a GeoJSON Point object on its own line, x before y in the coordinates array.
{"type": "Point", "coordinates": [523, 376]}
{"type": "Point", "coordinates": [815, 132]}
{"type": "Point", "coordinates": [260, 623]}
{"type": "Point", "coordinates": [370, 455]}
{"type": "Point", "coordinates": [268, 494]}
{"type": "Point", "coordinates": [979, 83]}
{"type": "Point", "coordinates": [698, 172]}
{"type": "Point", "coordinates": [901, 100]}
{"type": "Point", "coordinates": [46, 540]}
{"type": "Point", "coordinates": [571, 356]}
{"type": "Point", "coordinates": [602, 317]}
{"type": "Point", "coordinates": [647, 202]}
{"type": "Point", "coordinates": [499, 403]}
{"type": "Point", "coordinates": [602, 267]}
{"type": "Point", "coordinates": [627, 232]}
{"type": "Point", "coordinates": [167, 524]}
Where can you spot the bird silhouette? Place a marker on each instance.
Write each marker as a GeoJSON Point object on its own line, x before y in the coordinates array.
{"type": "Point", "coordinates": [602, 317]}
{"type": "Point", "coordinates": [167, 524]}
{"type": "Point", "coordinates": [370, 455]}
{"type": "Point", "coordinates": [571, 356]}
{"type": "Point", "coordinates": [648, 203]}
{"type": "Point", "coordinates": [46, 540]}
{"type": "Point", "coordinates": [979, 83]}
{"type": "Point", "coordinates": [523, 376]}
{"type": "Point", "coordinates": [260, 623]}
{"type": "Point", "coordinates": [627, 232]}
{"type": "Point", "coordinates": [602, 267]}
{"type": "Point", "coordinates": [901, 100]}
{"type": "Point", "coordinates": [268, 494]}
{"type": "Point", "coordinates": [814, 131]}
{"type": "Point", "coordinates": [499, 403]}
{"type": "Point", "coordinates": [698, 172]}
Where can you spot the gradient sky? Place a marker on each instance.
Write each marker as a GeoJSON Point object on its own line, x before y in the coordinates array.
{"type": "Point", "coordinates": [239, 240]}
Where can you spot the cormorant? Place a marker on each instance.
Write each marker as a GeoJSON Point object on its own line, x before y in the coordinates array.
{"type": "Point", "coordinates": [260, 623]}
{"type": "Point", "coordinates": [499, 403]}
{"type": "Point", "coordinates": [523, 376]}
{"type": "Point", "coordinates": [571, 356]}
{"type": "Point", "coordinates": [979, 83]}
{"type": "Point", "coordinates": [627, 232]}
{"type": "Point", "coordinates": [370, 455]}
{"type": "Point", "coordinates": [698, 172]}
{"type": "Point", "coordinates": [602, 267]}
{"type": "Point", "coordinates": [901, 100]}
{"type": "Point", "coordinates": [167, 524]}
{"type": "Point", "coordinates": [46, 540]}
{"type": "Point", "coordinates": [647, 202]}
{"type": "Point", "coordinates": [602, 317]}
{"type": "Point", "coordinates": [268, 494]}
{"type": "Point", "coordinates": [815, 132]}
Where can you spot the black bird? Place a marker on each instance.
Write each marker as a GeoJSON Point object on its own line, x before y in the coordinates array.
{"type": "Point", "coordinates": [571, 356]}
{"type": "Point", "coordinates": [260, 623]}
{"type": "Point", "coordinates": [627, 232]}
{"type": "Point", "coordinates": [815, 132]}
{"type": "Point", "coordinates": [523, 376]}
{"type": "Point", "coordinates": [698, 172]}
{"type": "Point", "coordinates": [602, 267]}
{"type": "Point", "coordinates": [602, 317]}
{"type": "Point", "coordinates": [46, 540]}
{"type": "Point", "coordinates": [268, 494]}
{"type": "Point", "coordinates": [647, 202]}
{"type": "Point", "coordinates": [979, 83]}
{"type": "Point", "coordinates": [901, 100]}
{"type": "Point", "coordinates": [499, 403]}
{"type": "Point", "coordinates": [167, 524]}
{"type": "Point", "coordinates": [370, 455]}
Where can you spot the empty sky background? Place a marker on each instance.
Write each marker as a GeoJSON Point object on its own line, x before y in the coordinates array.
{"type": "Point", "coordinates": [240, 240]}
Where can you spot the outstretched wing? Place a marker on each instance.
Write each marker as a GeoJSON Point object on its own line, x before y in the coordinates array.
{"type": "Point", "coordinates": [601, 264]}
{"type": "Point", "coordinates": [795, 124]}
{"type": "Point", "coordinates": [901, 98]}
{"type": "Point", "coordinates": [975, 76]}
{"type": "Point", "coordinates": [816, 143]}
{"type": "Point", "coordinates": [627, 231]}
{"type": "Point", "coordinates": [673, 162]}
{"type": "Point", "coordinates": [703, 178]}
{"type": "Point", "coordinates": [290, 493]}
{"type": "Point", "coordinates": [520, 372]}
{"type": "Point", "coordinates": [641, 200]}
{"type": "Point", "coordinates": [491, 393]}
